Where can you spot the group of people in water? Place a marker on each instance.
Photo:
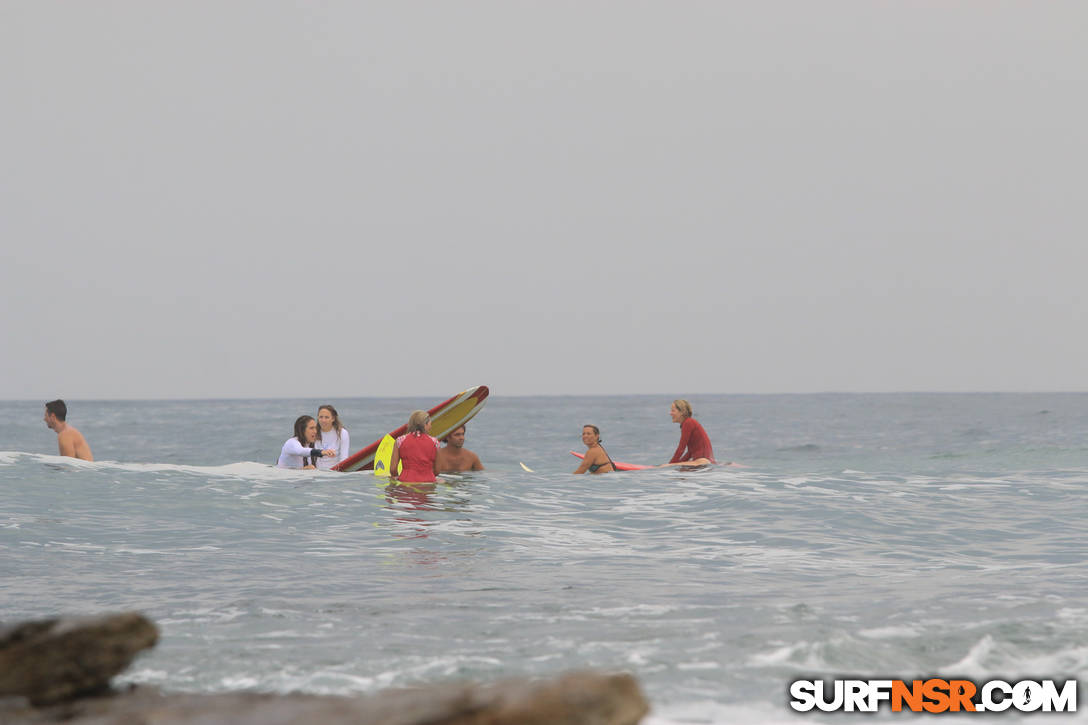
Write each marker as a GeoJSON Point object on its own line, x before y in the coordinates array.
{"type": "Point", "coordinates": [323, 442]}
{"type": "Point", "coordinates": [420, 457]}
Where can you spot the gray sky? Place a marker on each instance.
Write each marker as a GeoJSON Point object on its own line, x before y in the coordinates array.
{"type": "Point", "coordinates": [270, 198]}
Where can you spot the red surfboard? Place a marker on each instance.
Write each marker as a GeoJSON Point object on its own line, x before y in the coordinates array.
{"type": "Point", "coordinates": [620, 465]}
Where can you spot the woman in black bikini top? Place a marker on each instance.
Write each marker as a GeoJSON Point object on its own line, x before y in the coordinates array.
{"type": "Point", "coordinates": [596, 460]}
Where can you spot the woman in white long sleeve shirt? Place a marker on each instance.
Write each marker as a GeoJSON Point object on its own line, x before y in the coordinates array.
{"type": "Point", "coordinates": [333, 435]}
{"type": "Point", "coordinates": [299, 451]}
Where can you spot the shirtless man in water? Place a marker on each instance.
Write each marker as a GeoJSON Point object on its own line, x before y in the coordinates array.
{"type": "Point", "coordinates": [69, 440]}
{"type": "Point", "coordinates": [454, 457]}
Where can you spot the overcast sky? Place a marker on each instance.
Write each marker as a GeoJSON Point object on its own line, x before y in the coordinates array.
{"type": "Point", "coordinates": [265, 198]}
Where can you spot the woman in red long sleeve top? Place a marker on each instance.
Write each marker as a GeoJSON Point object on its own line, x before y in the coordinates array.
{"type": "Point", "coordinates": [694, 448]}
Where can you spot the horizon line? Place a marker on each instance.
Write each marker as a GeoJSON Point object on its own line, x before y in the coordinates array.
{"type": "Point", "coordinates": [197, 398]}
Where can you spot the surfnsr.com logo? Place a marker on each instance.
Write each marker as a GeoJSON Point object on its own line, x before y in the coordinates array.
{"type": "Point", "coordinates": [933, 695]}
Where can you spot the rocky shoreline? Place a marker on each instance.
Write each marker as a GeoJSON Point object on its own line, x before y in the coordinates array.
{"type": "Point", "coordinates": [59, 670]}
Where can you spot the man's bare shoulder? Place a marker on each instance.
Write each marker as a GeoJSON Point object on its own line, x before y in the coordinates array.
{"type": "Point", "coordinates": [72, 443]}
{"type": "Point", "coordinates": [469, 461]}
{"type": "Point", "coordinates": [452, 461]}
{"type": "Point", "coordinates": [70, 433]}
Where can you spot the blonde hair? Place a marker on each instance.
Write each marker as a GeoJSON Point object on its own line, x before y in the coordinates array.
{"type": "Point", "coordinates": [684, 407]}
{"type": "Point", "coordinates": [417, 420]}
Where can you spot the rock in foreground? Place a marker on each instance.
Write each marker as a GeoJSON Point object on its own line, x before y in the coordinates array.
{"type": "Point", "coordinates": [579, 698]}
{"type": "Point", "coordinates": [51, 660]}
{"type": "Point", "coordinates": [58, 671]}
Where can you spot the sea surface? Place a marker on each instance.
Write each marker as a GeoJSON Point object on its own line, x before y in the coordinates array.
{"type": "Point", "coordinates": [896, 535]}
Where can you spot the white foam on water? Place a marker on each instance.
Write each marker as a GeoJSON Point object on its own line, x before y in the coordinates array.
{"type": "Point", "coordinates": [973, 663]}
{"type": "Point", "coordinates": [1073, 614]}
{"type": "Point", "coordinates": [804, 655]}
{"type": "Point", "coordinates": [435, 668]}
{"type": "Point", "coordinates": [239, 682]}
{"type": "Point", "coordinates": [247, 470]}
{"type": "Point", "coordinates": [57, 460]}
{"type": "Point", "coordinates": [990, 658]}
{"type": "Point", "coordinates": [282, 634]}
{"type": "Point", "coordinates": [148, 676]}
{"type": "Point", "coordinates": [325, 682]}
{"type": "Point", "coordinates": [889, 632]}
{"type": "Point", "coordinates": [9, 457]}
{"type": "Point", "coordinates": [204, 615]}
{"type": "Point", "coordinates": [72, 546]}
{"type": "Point", "coordinates": [636, 609]}
{"type": "Point", "coordinates": [1069, 659]}
{"type": "Point", "coordinates": [821, 490]}
{"type": "Point", "coordinates": [689, 666]}
{"type": "Point", "coordinates": [341, 551]}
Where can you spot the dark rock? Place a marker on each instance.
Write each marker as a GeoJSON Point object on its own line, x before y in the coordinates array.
{"type": "Point", "coordinates": [51, 660]}
{"type": "Point", "coordinates": [580, 698]}
{"type": "Point", "coordinates": [58, 671]}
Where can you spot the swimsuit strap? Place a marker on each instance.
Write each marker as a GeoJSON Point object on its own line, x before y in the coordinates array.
{"type": "Point", "coordinates": [609, 459]}
{"type": "Point", "coordinates": [595, 466]}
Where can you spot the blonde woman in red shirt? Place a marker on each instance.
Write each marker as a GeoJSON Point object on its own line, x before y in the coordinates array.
{"type": "Point", "coordinates": [417, 449]}
{"type": "Point", "coordinates": [694, 448]}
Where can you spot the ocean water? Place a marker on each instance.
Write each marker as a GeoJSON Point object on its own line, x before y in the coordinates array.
{"type": "Point", "coordinates": [868, 535]}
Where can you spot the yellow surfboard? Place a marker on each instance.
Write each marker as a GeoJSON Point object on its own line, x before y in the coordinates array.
{"type": "Point", "coordinates": [384, 456]}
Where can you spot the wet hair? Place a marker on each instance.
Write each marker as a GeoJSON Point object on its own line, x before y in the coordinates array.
{"type": "Point", "coordinates": [595, 430]}
{"type": "Point", "coordinates": [300, 427]}
{"type": "Point", "coordinates": [684, 407]}
{"type": "Point", "coordinates": [417, 420]}
{"type": "Point", "coordinates": [57, 408]}
{"type": "Point", "coordinates": [336, 426]}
